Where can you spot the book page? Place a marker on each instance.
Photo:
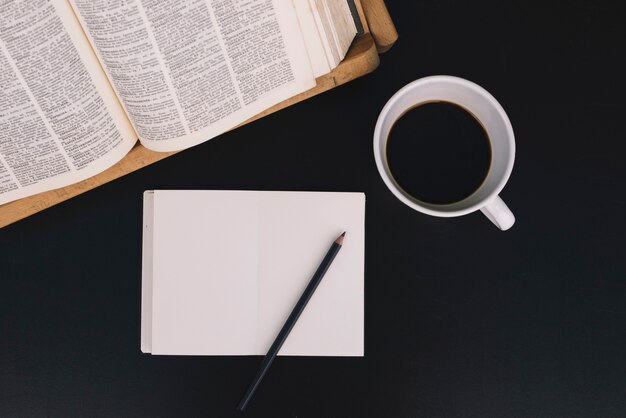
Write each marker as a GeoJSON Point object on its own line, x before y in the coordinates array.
{"type": "Point", "coordinates": [295, 231]}
{"type": "Point", "coordinates": [60, 121]}
{"type": "Point", "coordinates": [312, 39]}
{"type": "Point", "coordinates": [324, 26]}
{"type": "Point", "coordinates": [207, 299]}
{"type": "Point", "coordinates": [342, 25]}
{"type": "Point", "coordinates": [188, 70]}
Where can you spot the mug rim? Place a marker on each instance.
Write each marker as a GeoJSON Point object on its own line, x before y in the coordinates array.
{"type": "Point", "coordinates": [397, 191]}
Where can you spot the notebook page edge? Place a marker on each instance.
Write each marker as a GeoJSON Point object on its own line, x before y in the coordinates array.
{"type": "Point", "coordinates": [146, 272]}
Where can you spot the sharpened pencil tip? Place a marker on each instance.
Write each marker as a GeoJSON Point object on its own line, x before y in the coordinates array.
{"type": "Point", "coordinates": [242, 404]}
{"type": "Point", "coordinates": [340, 238]}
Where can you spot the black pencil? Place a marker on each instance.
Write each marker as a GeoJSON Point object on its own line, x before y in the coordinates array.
{"type": "Point", "coordinates": [293, 318]}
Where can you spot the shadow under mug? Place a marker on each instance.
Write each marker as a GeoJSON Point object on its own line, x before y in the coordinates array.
{"type": "Point", "coordinates": [486, 109]}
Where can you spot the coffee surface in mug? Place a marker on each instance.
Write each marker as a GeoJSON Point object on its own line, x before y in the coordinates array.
{"type": "Point", "coordinates": [438, 153]}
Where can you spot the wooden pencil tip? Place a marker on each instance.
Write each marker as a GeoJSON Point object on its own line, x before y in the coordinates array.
{"type": "Point", "coordinates": [340, 238]}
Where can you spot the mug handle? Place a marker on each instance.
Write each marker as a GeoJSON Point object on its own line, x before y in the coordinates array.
{"type": "Point", "coordinates": [499, 213]}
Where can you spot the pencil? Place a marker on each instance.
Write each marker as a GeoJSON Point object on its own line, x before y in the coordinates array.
{"type": "Point", "coordinates": [292, 319]}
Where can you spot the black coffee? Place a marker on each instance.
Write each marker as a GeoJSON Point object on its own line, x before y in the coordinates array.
{"type": "Point", "coordinates": [438, 153]}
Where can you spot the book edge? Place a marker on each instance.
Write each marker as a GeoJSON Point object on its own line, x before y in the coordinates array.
{"type": "Point", "coordinates": [146, 271]}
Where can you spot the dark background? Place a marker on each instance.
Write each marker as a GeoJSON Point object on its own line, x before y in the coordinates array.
{"type": "Point", "coordinates": [462, 320]}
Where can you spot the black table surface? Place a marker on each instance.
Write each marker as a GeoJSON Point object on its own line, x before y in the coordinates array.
{"type": "Point", "coordinates": [461, 319]}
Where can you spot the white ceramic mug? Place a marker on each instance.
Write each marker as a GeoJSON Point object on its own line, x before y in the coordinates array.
{"type": "Point", "coordinates": [485, 108]}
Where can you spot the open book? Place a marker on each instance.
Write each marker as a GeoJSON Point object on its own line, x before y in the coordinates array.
{"type": "Point", "coordinates": [82, 80]}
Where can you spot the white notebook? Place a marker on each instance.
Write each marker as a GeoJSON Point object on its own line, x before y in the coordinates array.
{"type": "Point", "coordinates": [223, 269]}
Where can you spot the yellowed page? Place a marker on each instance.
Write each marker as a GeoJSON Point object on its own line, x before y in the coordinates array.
{"type": "Point", "coordinates": [312, 39]}
{"type": "Point", "coordinates": [60, 121]}
{"type": "Point", "coordinates": [189, 70]}
{"type": "Point", "coordinates": [342, 25]}
{"type": "Point", "coordinates": [92, 65]}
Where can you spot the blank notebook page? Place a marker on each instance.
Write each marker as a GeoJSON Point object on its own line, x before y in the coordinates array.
{"type": "Point", "coordinates": [223, 269]}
